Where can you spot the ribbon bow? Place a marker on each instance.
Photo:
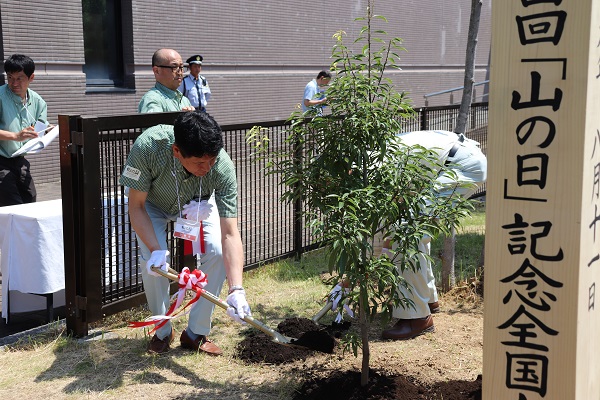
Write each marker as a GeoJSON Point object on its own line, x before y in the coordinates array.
{"type": "Point", "coordinates": [188, 280]}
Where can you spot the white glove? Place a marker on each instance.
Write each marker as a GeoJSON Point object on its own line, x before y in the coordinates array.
{"type": "Point", "coordinates": [335, 296]}
{"type": "Point", "coordinates": [158, 258]}
{"type": "Point", "coordinates": [239, 307]}
{"type": "Point", "coordinates": [197, 211]}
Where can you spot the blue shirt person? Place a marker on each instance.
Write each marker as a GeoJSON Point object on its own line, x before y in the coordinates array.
{"type": "Point", "coordinates": [314, 92]}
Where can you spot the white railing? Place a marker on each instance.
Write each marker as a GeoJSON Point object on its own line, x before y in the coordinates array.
{"type": "Point", "coordinates": [475, 98]}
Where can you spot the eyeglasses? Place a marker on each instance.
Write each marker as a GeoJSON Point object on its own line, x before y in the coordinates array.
{"type": "Point", "coordinates": [173, 68]}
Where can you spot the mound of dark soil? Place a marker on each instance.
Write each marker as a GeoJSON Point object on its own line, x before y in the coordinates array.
{"type": "Point", "coordinates": [337, 329]}
{"type": "Point", "coordinates": [296, 327]}
{"type": "Point", "coordinates": [345, 385]}
{"type": "Point", "coordinates": [258, 347]}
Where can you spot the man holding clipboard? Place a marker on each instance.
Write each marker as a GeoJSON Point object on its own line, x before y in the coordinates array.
{"type": "Point", "coordinates": [21, 111]}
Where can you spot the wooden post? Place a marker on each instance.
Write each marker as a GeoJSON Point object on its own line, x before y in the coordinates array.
{"type": "Point", "coordinates": [541, 322]}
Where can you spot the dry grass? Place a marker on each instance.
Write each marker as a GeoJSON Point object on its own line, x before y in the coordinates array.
{"type": "Point", "coordinates": [113, 364]}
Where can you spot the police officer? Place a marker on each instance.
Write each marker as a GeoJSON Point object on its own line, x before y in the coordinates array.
{"type": "Point", "coordinates": [194, 86]}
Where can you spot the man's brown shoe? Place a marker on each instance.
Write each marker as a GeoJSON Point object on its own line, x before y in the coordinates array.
{"type": "Point", "coordinates": [202, 343]}
{"type": "Point", "coordinates": [409, 328]}
{"type": "Point", "coordinates": [434, 307]}
{"type": "Point", "coordinates": [160, 346]}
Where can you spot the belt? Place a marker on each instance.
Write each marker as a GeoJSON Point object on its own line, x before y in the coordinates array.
{"type": "Point", "coordinates": [452, 152]}
{"type": "Point", "coordinates": [11, 159]}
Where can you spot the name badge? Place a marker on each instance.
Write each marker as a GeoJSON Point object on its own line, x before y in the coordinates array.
{"type": "Point", "coordinates": [187, 229]}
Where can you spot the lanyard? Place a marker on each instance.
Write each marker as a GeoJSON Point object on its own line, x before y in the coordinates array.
{"type": "Point", "coordinates": [201, 235]}
{"type": "Point", "coordinates": [177, 190]}
{"type": "Point", "coordinates": [20, 113]}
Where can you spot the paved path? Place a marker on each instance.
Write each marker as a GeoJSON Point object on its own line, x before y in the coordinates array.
{"type": "Point", "coordinates": [48, 191]}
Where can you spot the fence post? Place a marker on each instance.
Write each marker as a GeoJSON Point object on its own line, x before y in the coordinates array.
{"type": "Point", "coordinates": [298, 216]}
{"type": "Point", "coordinates": [423, 112]}
{"type": "Point", "coordinates": [71, 191]}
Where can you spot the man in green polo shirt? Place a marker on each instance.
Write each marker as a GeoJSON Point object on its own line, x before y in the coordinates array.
{"type": "Point", "coordinates": [169, 167]}
{"type": "Point", "coordinates": [20, 109]}
{"type": "Point", "coordinates": [167, 67]}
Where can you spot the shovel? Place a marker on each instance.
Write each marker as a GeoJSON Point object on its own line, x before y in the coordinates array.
{"type": "Point", "coordinates": [323, 311]}
{"type": "Point", "coordinates": [314, 340]}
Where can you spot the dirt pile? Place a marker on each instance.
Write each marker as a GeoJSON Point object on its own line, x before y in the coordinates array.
{"type": "Point", "coordinates": [258, 347]}
{"type": "Point", "coordinates": [345, 385]}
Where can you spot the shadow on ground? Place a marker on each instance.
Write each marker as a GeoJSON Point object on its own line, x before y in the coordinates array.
{"type": "Point", "coordinates": [20, 323]}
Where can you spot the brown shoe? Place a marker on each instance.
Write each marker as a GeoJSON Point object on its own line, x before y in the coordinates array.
{"type": "Point", "coordinates": [409, 328]}
{"type": "Point", "coordinates": [434, 308]}
{"type": "Point", "coordinates": [160, 346]}
{"type": "Point", "coordinates": [202, 343]}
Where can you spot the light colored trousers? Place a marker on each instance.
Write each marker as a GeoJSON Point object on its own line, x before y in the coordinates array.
{"type": "Point", "coordinates": [470, 166]}
{"type": "Point", "coordinates": [211, 263]}
{"type": "Point", "coordinates": [422, 288]}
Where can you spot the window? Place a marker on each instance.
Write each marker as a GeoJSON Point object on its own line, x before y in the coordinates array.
{"type": "Point", "coordinates": [103, 43]}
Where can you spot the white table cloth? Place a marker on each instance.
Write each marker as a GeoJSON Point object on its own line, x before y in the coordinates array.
{"type": "Point", "coordinates": [32, 255]}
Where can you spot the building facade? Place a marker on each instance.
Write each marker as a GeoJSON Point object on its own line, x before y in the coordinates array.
{"type": "Point", "coordinates": [93, 57]}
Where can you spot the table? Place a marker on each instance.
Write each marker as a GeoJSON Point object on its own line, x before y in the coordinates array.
{"type": "Point", "coordinates": [31, 255]}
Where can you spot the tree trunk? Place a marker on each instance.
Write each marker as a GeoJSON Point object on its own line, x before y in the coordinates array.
{"type": "Point", "coordinates": [465, 104]}
{"type": "Point", "coordinates": [482, 257]}
{"type": "Point", "coordinates": [364, 334]}
{"type": "Point", "coordinates": [448, 274]}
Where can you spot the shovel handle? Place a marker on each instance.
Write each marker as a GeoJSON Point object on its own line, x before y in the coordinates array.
{"type": "Point", "coordinates": [323, 311]}
{"type": "Point", "coordinates": [174, 276]}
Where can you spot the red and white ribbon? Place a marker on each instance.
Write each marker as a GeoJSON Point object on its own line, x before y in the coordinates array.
{"type": "Point", "coordinates": [188, 280]}
{"type": "Point", "coordinates": [198, 246]}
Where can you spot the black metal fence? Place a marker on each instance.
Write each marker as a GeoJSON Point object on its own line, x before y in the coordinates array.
{"type": "Point", "coordinates": [101, 269]}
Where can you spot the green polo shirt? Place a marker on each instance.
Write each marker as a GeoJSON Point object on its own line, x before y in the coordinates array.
{"type": "Point", "coordinates": [150, 167]}
{"type": "Point", "coordinates": [14, 116]}
{"type": "Point", "coordinates": [162, 99]}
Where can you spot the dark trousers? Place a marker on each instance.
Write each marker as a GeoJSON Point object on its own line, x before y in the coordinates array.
{"type": "Point", "coordinates": [16, 183]}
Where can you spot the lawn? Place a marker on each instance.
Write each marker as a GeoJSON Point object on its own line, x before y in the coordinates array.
{"type": "Point", "coordinates": [112, 362]}
{"type": "Point", "coordinates": [470, 239]}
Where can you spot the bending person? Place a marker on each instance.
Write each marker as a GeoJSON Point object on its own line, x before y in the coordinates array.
{"type": "Point", "coordinates": [464, 157]}
{"type": "Point", "coordinates": [168, 169]}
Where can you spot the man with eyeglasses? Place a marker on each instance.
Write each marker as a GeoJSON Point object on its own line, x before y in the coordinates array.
{"type": "Point", "coordinates": [164, 96]}
{"type": "Point", "coordinates": [20, 109]}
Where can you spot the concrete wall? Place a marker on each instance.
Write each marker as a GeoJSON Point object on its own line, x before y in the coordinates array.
{"type": "Point", "coordinates": [258, 55]}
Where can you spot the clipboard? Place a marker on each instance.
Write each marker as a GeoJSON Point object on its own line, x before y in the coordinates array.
{"type": "Point", "coordinates": [34, 146]}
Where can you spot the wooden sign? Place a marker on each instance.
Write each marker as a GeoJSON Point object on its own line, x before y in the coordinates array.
{"type": "Point", "coordinates": [542, 271]}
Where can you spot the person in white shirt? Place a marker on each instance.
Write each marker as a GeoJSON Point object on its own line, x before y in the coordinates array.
{"type": "Point", "coordinates": [314, 93]}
